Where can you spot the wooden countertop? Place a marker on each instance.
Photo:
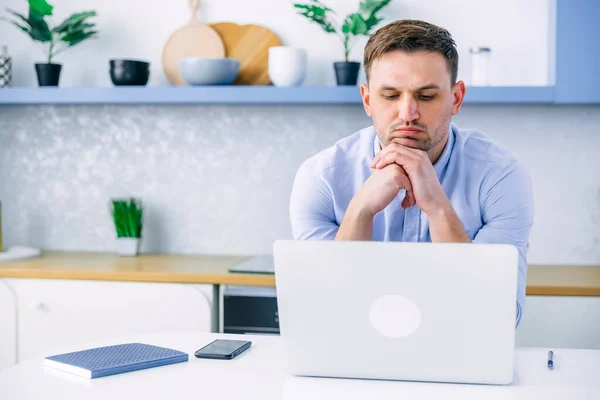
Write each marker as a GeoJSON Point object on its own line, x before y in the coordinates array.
{"type": "Point", "coordinates": [213, 269]}
{"type": "Point", "coordinates": [550, 280]}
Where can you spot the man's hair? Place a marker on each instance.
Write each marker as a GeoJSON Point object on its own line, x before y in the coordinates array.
{"type": "Point", "coordinates": [412, 36]}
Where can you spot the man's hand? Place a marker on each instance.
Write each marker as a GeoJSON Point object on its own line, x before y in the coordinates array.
{"type": "Point", "coordinates": [428, 193]}
{"type": "Point", "coordinates": [375, 194]}
{"type": "Point", "coordinates": [444, 224]}
{"type": "Point", "coordinates": [382, 187]}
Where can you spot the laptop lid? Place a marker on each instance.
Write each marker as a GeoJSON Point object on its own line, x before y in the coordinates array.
{"type": "Point", "coordinates": [388, 310]}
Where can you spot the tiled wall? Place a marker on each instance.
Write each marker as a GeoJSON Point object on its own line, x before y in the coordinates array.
{"type": "Point", "coordinates": [216, 179]}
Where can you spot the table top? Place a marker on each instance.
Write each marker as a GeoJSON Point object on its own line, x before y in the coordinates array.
{"type": "Point", "coordinates": [551, 280]}
{"type": "Point", "coordinates": [260, 373]}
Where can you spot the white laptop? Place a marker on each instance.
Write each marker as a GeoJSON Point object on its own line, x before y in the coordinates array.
{"type": "Point", "coordinates": [436, 312]}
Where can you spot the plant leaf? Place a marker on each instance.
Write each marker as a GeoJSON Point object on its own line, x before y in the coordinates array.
{"type": "Point", "coordinates": [370, 7]}
{"type": "Point", "coordinates": [75, 37]}
{"type": "Point", "coordinates": [74, 22]}
{"type": "Point", "coordinates": [317, 13]}
{"type": "Point", "coordinates": [19, 16]}
{"type": "Point", "coordinates": [36, 26]}
{"type": "Point", "coordinates": [372, 21]}
{"type": "Point", "coordinates": [355, 24]}
{"type": "Point", "coordinates": [127, 217]}
{"type": "Point", "coordinates": [40, 8]}
{"type": "Point", "coordinates": [39, 29]}
{"type": "Point", "coordinates": [15, 23]}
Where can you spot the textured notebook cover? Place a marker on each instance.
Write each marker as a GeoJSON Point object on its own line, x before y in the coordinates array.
{"type": "Point", "coordinates": [117, 359]}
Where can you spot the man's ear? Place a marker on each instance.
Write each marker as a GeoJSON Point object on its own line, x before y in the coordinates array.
{"type": "Point", "coordinates": [366, 98]}
{"type": "Point", "coordinates": [458, 92]}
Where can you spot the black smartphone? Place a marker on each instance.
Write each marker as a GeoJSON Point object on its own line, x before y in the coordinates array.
{"type": "Point", "coordinates": [223, 349]}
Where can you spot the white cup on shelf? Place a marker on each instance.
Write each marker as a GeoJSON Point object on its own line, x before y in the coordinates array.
{"type": "Point", "coordinates": [287, 66]}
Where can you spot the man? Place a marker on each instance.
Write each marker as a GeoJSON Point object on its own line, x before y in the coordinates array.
{"type": "Point", "coordinates": [414, 176]}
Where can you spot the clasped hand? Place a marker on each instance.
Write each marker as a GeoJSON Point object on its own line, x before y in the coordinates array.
{"type": "Point", "coordinates": [398, 167]}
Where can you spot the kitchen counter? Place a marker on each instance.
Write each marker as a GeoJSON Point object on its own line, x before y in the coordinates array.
{"type": "Point", "coordinates": [210, 269]}
{"type": "Point", "coordinates": [549, 280]}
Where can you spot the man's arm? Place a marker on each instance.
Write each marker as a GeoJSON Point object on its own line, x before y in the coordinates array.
{"type": "Point", "coordinates": [507, 204]}
{"type": "Point", "coordinates": [374, 195]}
{"type": "Point", "coordinates": [312, 213]}
{"type": "Point", "coordinates": [357, 224]}
{"type": "Point", "coordinates": [445, 226]}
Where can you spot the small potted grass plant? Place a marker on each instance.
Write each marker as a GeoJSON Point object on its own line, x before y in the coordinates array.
{"type": "Point", "coordinates": [128, 217]}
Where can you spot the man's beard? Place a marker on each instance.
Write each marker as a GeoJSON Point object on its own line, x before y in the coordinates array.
{"type": "Point", "coordinates": [425, 145]}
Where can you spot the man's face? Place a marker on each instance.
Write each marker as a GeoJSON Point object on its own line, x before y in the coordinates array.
{"type": "Point", "coordinates": [411, 100]}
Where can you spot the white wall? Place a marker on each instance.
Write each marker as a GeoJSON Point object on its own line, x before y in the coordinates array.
{"type": "Point", "coordinates": [516, 30]}
{"type": "Point", "coordinates": [217, 179]}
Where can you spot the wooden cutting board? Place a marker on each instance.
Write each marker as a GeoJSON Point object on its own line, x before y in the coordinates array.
{"type": "Point", "coordinates": [194, 39]}
{"type": "Point", "coordinates": [249, 44]}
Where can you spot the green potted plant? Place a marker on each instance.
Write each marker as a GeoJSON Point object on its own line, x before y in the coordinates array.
{"type": "Point", "coordinates": [72, 31]}
{"type": "Point", "coordinates": [355, 24]}
{"type": "Point", "coordinates": [128, 218]}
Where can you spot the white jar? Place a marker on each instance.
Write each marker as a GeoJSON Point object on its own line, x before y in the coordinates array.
{"type": "Point", "coordinates": [287, 66]}
{"type": "Point", "coordinates": [480, 66]}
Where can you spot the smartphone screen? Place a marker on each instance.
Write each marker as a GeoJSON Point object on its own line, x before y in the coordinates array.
{"type": "Point", "coordinates": [223, 349]}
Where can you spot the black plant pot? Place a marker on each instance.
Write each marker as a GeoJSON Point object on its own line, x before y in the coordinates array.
{"type": "Point", "coordinates": [346, 73]}
{"type": "Point", "coordinates": [48, 74]}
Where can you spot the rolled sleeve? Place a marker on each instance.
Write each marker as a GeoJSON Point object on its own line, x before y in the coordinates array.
{"type": "Point", "coordinates": [508, 217]}
{"type": "Point", "coordinates": [312, 213]}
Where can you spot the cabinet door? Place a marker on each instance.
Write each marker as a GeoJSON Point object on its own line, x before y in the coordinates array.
{"type": "Point", "coordinates": [577, 51]}
{"type": "Point", "coordinates": [560, 321]}
{"type": "Point", "coordinates": [8, 327]}
{"type": "Point", "coordinates": [53, 314]}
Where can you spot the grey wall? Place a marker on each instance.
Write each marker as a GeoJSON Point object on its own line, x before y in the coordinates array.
{"type": "Point", "coordinates": [216, 179]}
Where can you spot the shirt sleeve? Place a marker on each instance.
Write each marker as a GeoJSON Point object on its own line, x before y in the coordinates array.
{"type": "Point", "coordinates": [312, 213]}
{"type": "Point", "coordinates": [507, 204]}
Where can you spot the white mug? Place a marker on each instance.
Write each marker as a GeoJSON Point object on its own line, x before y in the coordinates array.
{"type": "Point", "coordinates": [287, 66]}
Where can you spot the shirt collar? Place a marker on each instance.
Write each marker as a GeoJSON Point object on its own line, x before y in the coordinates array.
{"type": "Point", "coordinates": [440, 163]}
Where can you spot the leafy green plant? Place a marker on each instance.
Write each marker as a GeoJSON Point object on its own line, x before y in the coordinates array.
{"type": "Point", "coordinates": [355, 24]}
{"type": "Point", "coordinates": [72, 31]}
{"type": "Point", "coordinates": [128, 217]}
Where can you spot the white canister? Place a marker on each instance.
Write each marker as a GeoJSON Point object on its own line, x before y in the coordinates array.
{"type": "Point", "coordinates": [287, 66]}
{"type": "Point", "coordinates": [5, 68]}
{"type": "Point", "coordinates": [480, 66]}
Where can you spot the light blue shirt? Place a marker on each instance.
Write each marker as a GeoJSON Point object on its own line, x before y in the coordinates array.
{"type": "Point", "coordinates": [488, 187]}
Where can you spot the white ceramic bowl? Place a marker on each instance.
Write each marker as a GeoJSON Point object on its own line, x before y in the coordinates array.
{"type": "Point", "coordinates": [209, 71]}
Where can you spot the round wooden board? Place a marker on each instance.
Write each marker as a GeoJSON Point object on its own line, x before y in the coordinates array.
{"type": "Point", "coordinates": [192, 40]}
{"type": "Point", "coordinates": [250, 45]}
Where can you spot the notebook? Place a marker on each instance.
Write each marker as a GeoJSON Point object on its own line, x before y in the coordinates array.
{"type": "Point", "coordinates": [112, 360]}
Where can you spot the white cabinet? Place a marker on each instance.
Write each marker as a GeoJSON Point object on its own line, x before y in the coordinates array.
{"type": "Point", "coordinates": [8, 327]}
{"type": "Point", "coordinates": [53, 314]}
{"type": "Point", "coordinates": [560, 321]}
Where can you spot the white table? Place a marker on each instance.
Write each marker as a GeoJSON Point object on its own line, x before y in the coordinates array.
{"type": "Point", "coordinates": [260, 373]}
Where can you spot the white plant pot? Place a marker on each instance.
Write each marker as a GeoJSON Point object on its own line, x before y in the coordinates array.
{"type": "Point", "coordinates": [287, 66]}
{"type": "Point", "coordinates": [127, 246]}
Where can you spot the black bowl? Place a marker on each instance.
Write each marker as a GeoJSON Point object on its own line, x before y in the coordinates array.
{"type": "Point", "coordinates": [129, 72]}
